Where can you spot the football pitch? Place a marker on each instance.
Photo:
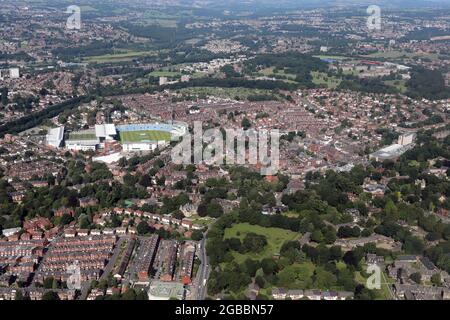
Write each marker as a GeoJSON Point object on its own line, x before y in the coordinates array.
{"type": "Point", "coordinates": [144, 136]}
{"type": "Point", "coordinates": [82, 136]}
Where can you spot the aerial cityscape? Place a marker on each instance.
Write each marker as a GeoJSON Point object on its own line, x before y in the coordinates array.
{"type": "Point", "coordinates": [224, 150]}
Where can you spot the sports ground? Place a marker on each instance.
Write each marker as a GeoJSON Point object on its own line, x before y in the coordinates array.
{"type": "Point", "coordinates": [144, 136]}
{"type": "Point", "coordinates": [82, 136]}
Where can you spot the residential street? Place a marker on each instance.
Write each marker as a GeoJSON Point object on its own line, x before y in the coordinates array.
{"type": "Point", "coordinates": [85, 286]}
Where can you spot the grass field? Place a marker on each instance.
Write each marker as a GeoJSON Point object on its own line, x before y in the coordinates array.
{"type": "Point", "coordinates": [227, 93]}
{"type": "Point", "coordinates": [400, 85]}
{"type": "Point", "coordinates": [162, 73]}
{"type": "Point", "coordinates": [203, 221]}
{"type": "Point", "coordinates": [120, 55]}
{"type": "Point", "coordinates": [270, 72]}
{"type": "Point", "coordinates": [275, 239]}
{"type": "Point", "coordinates": [384, 293]}
{"type": "Point", "coordinates": [82, 136]}
{"type": "Point", "coordinates": [320, 78]}
{"type": "Point", "coordinates": [144, 136]}
{"type": "Point", "coordinates": [331, 57]}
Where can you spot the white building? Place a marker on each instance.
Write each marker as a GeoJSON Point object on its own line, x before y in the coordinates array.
{"type": "Point", "coordinates": [55, 137]}
{"type": "Point", "coordinates": [14, 73]}
{"type": "Point", "coordinates": [11, 231]}
{"type": "Point", "coordinates": [162, 81]}
{"type": "Point", "coordinates": [105, 131]}
{"type": "Point", "coordinates": [406, 139]}
{"type": "Point", "coordinates": [108, 159]}
{"type": "Point", "coordinates": [91, 139]}
{"type": "Point", "coordinates": [82, 145]}
{"type": "Point", "coordinates": [83, 140]}
{"type": "Point", "coordinates": [391, 152]}
{"type": "Point", "coordinates": [138, 146]}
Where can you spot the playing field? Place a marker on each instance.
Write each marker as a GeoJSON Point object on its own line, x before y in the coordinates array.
{"type": "Point", "coordinates": [144, 136]}
{"type": "Point", "coordinates": [275, 238]}
{"type": "Point", "coordinates": [82, 136]}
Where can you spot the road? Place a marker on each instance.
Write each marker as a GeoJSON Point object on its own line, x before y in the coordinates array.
{"type": "Point", "coordinates": [203, 272]}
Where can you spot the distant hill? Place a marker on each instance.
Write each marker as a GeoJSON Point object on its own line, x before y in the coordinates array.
{"type": "Point", "coordinates": [256, 5]}
{"type": "Point", "coordinates": [312, 3]}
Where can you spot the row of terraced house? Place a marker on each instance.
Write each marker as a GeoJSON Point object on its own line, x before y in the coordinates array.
{"type": "Point", "coordinates": [90, 253]}
{"type": "Point", "coordinates": [167, 220]}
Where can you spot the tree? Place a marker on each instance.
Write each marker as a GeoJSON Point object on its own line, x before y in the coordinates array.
{"type": "Point", "coordinates": [246, 124]}
{"type": "Point", "coordinates": [129, 180]}
{"type": "Point", "coordinates": [317, 236]}
{"type": "Point", "coordinates": [50, 295]}
{"type": "Point", "coordinates": [130, 294]}
{"type": "Point", "coordinates": [426, 83]}
{"type": "Point", "coordinates": [19, 295]}
{"type": "Point", "coordinates": [141, 295]}
{"type": "Point", "coordinates": [352, 258]}
{"type": "Point", "coordinates": [55, 284]}
{"type": "Point", "coordinates": [123, 162]}
{"type": "Point", "coordinates": [413, 245]}
{"type": "Point", "coordinates": [145, 181]}
{"type": "Point", "coordinates": [259, 280]}
{"type": "Point", "coordinates": [103, 285]}
{"type": "Point", "coordinates": [416, 277]}
{"type": "Point", "coordinates": [269, 266]}
{"type": "Point", "coordinates": [436, 279]}
{"type": "Point", "coordinates": [43, 92]}
{"type": "Point", "coordinates": [4, 94]}
{"type": "Point", "coordinates": [214, 209]}
{"type": "Point", "coordinates": [197, 235]}
{"type": "Point", "coordinates": [254, 242]}
{"type": "Point", "coordinates": [177, 214]}
{"type": "Point", "coordinates": [348, 232]}
{"type": "Point", "coordinates": [324, 279]}
{"type": "Point", "coordinates": [84, 222]}
{"type": "Point", "coordinates": [48, 283]}
{"type": "Point", "coordinates": [391, 210]}
{"type": "Point", "coordinates": [65, 219]}
{"type": "Point", "coordinates": [143, 228]}
{"type": "Point", "coordinates": [362, 293]}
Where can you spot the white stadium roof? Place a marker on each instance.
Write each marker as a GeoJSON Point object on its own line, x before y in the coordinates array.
{"type": "Point", "coordinates": [105, 130]}
{"type": "Point", "coordinates": [55, 137]}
